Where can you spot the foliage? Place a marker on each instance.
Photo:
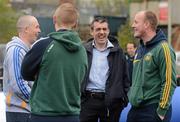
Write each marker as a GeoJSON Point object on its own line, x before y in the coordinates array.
{"type": "Point", "coordinates": [8, 19]}
{"type": "Point", "coordinates": [125, 35]}
{"type": "Point", "coordinates": [141, 0]}
{"type": "Point", "coordinates": [84, 32]}
{"type": "Point", "coordinates": [110, 7]}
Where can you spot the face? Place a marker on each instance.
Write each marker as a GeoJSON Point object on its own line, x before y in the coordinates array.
{"type": "Point", "coordinates": [139, 25]}
{"type": "Point", "coordinates": [100, 33]}
{"type": "Point", "coordinates": [33, 31]}
{"type": "Point", "coordinates": [131, 49]}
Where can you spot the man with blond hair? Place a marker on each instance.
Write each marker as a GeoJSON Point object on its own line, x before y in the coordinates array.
{"type": "Point", "coordinates": [15, 88]}
{"type": "Point", "coordinates": [57, 64]}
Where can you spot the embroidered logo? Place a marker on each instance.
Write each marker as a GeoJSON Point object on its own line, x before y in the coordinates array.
{"type": "Point", "coordinates": [147, 57]}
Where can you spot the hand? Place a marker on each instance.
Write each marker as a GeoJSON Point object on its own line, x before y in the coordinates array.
{"type": "Point", "coordinates": [161, 117]}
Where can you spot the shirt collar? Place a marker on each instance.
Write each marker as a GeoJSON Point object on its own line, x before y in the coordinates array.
{"type": "Point", "coordinates": [109, 44]}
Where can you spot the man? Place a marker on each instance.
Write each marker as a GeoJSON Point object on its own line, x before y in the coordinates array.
{"type": "Point", "coordinates": [15, 88]}
{"type": "Point", "coordinates": [57, 64]}
{"type": "Point", "coordinates": [105, 87]}
{"type": "Point", "coordinates": [154, 74]}
{"type": "Point", "coordinates": [131, 48]}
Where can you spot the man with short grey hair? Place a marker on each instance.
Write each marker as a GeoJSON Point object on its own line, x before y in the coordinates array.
{"type": "Point", "coordinates": [15, 88]}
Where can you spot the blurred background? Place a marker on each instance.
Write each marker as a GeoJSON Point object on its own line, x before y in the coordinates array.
{"type": "Point", "coordinates": [119, 13]}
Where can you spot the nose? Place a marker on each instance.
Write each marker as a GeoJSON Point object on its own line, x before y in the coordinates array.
{"type": "Point", "coordinates": [132, 25]}
{"type": "Point", "coordinates": [101, 31]}
{"type": "Point", "coordinates": [39, 30]}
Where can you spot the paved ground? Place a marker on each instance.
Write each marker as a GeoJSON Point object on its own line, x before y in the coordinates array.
{"type": "Point", "coordinates": [2, 108]}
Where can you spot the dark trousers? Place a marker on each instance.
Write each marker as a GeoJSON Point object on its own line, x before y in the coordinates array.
{"type": "Point", "coordinates": [39, 118]}
{"type": "Point", "coordinates": [17, 117]}
{"type": "Point", "coordinates": [147, 114]}
{"type": "Point", "coordinates": [94, 109]}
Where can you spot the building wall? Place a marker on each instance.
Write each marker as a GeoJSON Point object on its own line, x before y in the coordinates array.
{"type": "Point", "coordinates": [175, 11]}
{"type": "Point", "coordinates": [154, 6]}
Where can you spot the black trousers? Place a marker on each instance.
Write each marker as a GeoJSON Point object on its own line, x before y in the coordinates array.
{"type": "Point", "coordinates": [147, 114]}
{"type": "Point", "coordinates": [17, 117]}
{"type": "Point", "coordinates": [94, 110]}
{"type": "Point", "coordinates": [39, 118]}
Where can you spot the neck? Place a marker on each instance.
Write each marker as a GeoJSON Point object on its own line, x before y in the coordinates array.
{"type": "Point", "coordinates": [25, 40]}
{"type": "Point", "coordinates": [63, 27]}
{"type": "Point", "coordinates": [148, 36]}
{"type": "Point", "coordinates": [101, 47]}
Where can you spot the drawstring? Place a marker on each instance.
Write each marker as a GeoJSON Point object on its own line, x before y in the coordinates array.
{"type": "Point", "coordinates": [107, 112]}
{"type": "Point", "coordinates": [108, 116]}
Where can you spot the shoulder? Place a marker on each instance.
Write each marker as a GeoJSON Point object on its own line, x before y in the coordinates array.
{"type": "Point", "coordinates": [41, 44]}
{"type": "Point", "coordinates": [88, 44]}
{"type": "Point", "coordinates": [164, 46]}
{"type": "Point", "coordinates": [41, 41]}
{"type": "Point", "coordinates": [115, 43]}
{"type": "Point", "coordinates": [165, 50]}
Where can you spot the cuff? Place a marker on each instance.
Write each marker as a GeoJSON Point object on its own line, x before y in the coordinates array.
{"type": "Point", "coordinates": [161, 111]}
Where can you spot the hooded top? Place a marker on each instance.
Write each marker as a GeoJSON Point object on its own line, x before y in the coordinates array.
{"type": "Point", "coordinates": [57, 64]}
{"type": "Point", "coordinates": [16, 90]}
{"type": "Point", "coordinates": [154, 74]}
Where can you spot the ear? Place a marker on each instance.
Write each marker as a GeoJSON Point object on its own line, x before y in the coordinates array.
{"type": "Point", "coordinates": [147, 24]}
{"type": "Point", "coordinates": [91, 32]}
{"type": "Point", "coordinates": [108, 31]}
{"type": "Point", "coordinates": [75, 25]}
{"type": "Point", "coordinates": [54, 19]}
{"type": "Point", "coordinates": [26, 29]}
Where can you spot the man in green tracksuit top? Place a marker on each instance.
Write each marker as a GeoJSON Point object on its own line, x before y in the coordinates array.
{"type": "Point", "coordinates": [154, 75]}
{"type": "Point", "coordinates": [57, 64]}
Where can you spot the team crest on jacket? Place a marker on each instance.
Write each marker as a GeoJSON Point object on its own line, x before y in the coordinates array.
{"type": "Point", "coordinates": [148, 57]}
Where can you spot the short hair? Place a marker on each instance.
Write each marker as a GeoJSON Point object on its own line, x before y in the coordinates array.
{"type": "Point", "coordinates": [66, 1]}
{"type": "Point", "coordinates": [98, 19]}
{"type": "Point", "coordinates": [135, 45]}
{"type": "Point", "coordinates": [152, 19]}
{"type": "Point", "coordinates": [67, 14]}
{"type": "Point", "coordinates": [24, 21]}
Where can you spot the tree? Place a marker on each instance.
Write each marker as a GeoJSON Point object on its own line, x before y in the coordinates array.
{"type": "Point", "coordinates": [111, 7]}
{"type": "Point", "coordinates": [125, 35]}
{"type": "Point", "coordinates": [8, 19]}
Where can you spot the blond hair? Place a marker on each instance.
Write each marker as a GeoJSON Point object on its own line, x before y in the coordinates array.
{"type": "Point", "coordinates": [66, 14]}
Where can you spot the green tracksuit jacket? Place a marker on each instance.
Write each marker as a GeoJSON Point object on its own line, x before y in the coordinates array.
{"type": "Point", "coordinates": [154, 75]}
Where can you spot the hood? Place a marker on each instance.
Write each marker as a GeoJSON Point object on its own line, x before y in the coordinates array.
{"type": "Point", "coordinates": [160, 36]}
{"type": "Point", "coordinates": [16, 41]}
{"type": "Point", "coordinates": [68, 38]}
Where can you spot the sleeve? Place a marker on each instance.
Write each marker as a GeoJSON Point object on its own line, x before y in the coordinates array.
{"type": "Point", "coordinates": [32, 60]}
{"type": "Point", "coordinates": [18, 84]}
{"type": "Point", "coordinates": [168, 75]}
{"type": "Point", "coordinates": [126, 78]}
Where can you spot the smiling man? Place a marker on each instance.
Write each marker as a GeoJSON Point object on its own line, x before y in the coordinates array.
{"type": "Point", "coordinates": [105, 87]}
{"type": "Point", "coordinates": [16, 89]}
{"type": "Point", "coordinates": [154, 73]}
